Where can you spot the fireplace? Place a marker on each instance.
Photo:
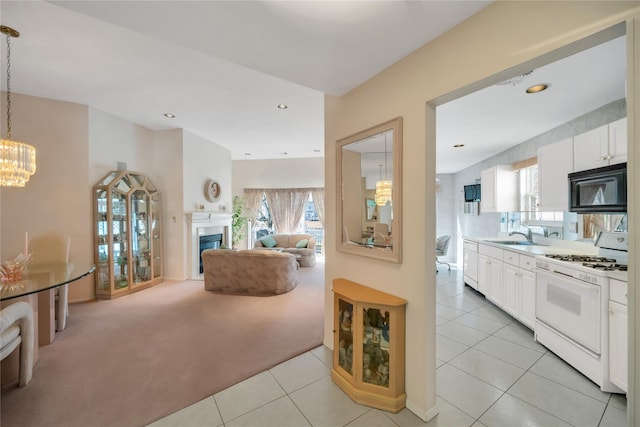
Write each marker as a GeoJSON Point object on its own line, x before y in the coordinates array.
{"type": "Point", "coordinates": [203, 224]}
{"type": "Point", "coordinates": [209, 241]}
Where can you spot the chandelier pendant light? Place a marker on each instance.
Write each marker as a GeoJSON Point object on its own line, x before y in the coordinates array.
{"type": "Point", "coordinates": [383, 187]}
{"type": "Point", "coordinates": [17, 159]}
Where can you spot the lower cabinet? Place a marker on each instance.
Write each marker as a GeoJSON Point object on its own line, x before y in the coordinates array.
{"type": "Point", "coordinates": [519, 283]}
{"type": "Point", "coordinates": [490, 273]}
{"type": "Point", "coordinates": [369, 345]}
{"type": "Point", "coordinates": [618, 330]}
{"type": "Point", "coordinates": [508, 279]}
{"type": "Point", "coordinates": [470, 263]}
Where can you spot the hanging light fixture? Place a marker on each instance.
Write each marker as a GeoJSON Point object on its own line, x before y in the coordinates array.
{"type": "Point", "coordinates": [383, 187]}
{"type": "Point", "coordinates": [17, 159]}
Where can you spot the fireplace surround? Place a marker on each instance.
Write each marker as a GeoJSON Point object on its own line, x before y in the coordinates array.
{"type": "Point", "coordinates": [205, 224]}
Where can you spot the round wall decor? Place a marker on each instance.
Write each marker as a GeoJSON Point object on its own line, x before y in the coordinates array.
{"type": "Point", "coordinates": [212, 190]}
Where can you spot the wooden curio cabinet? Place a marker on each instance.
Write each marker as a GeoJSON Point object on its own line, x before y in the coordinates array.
{"type": "Point", "coordinates": [369, 345]}
{"type": "Point", "coordinates": [128, 253]}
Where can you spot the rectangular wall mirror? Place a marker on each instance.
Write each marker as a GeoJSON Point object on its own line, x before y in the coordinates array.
{"type": "Point", "coordinates": [369, 179]}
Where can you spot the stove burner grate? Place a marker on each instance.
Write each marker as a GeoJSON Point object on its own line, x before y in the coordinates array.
{"type": "Point", "coordinates": [606, 267]}
{"type": "Point", "coordinates": [581, 258]}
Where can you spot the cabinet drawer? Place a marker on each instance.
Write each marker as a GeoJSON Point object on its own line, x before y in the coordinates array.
{"type": "Point", "coordinates": [527, 263]}
{"type": "Point", "coordinates": [618, 291]}
{"type": "Point", "coordinates": [511, 258]}
{"type": "Point", "coordinates": [490, 251]}
{"type": "Point", "coordinates": [470, 246]}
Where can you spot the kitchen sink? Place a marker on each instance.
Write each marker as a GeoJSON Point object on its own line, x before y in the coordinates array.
{"type": "Point", "coordinates": [515, 242]}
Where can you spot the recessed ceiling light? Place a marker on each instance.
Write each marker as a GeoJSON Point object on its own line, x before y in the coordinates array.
{"type": "Point", "coordinates": [247, 154]}
{"type": "Point", "coordinates": [284, 153]}
{"type": "Point", "coordinates": [316, 151]}
{"type": "Point", "coordinates": [537, 88]}
{"type": "Point", "coordinates": [282, 106]}
{"type": "Point", "coordinates": [169, 115]}
{"type": "Point", "coordinates": [458, 146]}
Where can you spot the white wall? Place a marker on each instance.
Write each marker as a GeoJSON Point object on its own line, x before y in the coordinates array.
{"type": "Point", "coordinates": [277, 173]}
{"type": "Point", "coordinates": [205, 160]}
{"type": "Point", "coordinates": [168, 160]}
{"type": "Point", "coordinates": [113, 140]}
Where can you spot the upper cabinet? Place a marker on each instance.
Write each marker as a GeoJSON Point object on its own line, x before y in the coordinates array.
{"type": "Point", "coordinates": [499, 189]}
{"type": "Point", "coordinates": [603, 146]}
{"type": "Point", "coordinates": [555, 162]}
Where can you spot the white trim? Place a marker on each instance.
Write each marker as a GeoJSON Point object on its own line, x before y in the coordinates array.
{"type": "Point", "coordinates": [425, 416]}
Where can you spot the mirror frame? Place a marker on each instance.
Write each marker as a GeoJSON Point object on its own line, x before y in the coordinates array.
{"type": "Point", "coordinates": [395, 254]}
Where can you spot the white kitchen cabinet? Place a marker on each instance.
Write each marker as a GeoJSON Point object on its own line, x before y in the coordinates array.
{"type": "Point", "coordinates": [490, 273]}
{"type": "Point", "coordinates": [510, 284]}
{"type": "Point", "coordinates": [527, 297]}
{"type": "Point", "coordinates": [618, 330]}
{"type": "Point", "coordinates": [555, 162]}
{"type": "Point", "coordinates": [499, 189]}
{"type": "Point", "coordinates": [603, 146]}
{"type": "Point", "coordinates": [519, 284]}
{"type": "Point", "coordinates": [470, 263]}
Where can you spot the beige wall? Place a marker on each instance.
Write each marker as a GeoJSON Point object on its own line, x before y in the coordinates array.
{"type": "Point", "coordinates": [501, 36]}
{"type": "Point", "coordinates": [57, 197]}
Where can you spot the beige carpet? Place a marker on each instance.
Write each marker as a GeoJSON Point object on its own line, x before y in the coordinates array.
{"type": "Point", "coordinates": [133, 360]}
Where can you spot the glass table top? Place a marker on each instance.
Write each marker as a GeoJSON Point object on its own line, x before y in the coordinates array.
{"type": "Point", "coordinates": [41, 277]}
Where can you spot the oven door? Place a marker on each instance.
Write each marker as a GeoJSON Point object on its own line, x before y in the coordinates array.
{"type": "Point", "coordinates": [569, 306]}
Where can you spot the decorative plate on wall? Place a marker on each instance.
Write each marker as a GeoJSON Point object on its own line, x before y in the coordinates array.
{"type": "Point", "coordinates": [212, 190]}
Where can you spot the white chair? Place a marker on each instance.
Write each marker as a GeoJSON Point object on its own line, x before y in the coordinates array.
{"type": "Point", "coordinates": [380, 233]}
{"type": "Point", "coordinates": [52, 250]}
{"type": "Point", "coordinates": [16, 330]}
{"type": "Point", "coordinates": [442, 246]}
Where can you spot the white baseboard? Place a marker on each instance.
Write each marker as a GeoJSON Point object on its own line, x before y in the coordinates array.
{"type": "Point", "coordinates": [425, 416]}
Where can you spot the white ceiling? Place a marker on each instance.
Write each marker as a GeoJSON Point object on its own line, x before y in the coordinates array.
{"type": "Point", "coordinates": [222, 67]}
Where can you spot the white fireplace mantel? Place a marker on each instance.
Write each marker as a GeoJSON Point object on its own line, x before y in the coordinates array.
{"type": "Point", "coordinates": [202, 223]}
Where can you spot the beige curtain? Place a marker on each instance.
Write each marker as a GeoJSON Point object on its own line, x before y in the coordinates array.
{"type": "Point", "coordinates": [318, 199]}
{"type": "Point", "coordinates": [286, 207]}
{"type": "Point", "coordinates": [253, 202]}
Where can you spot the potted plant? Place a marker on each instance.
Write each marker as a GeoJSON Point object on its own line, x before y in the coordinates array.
{"type": "Point", "coordinates": [238, 221]}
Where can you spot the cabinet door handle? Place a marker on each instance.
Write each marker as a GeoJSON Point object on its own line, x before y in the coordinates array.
{"type": "Point", "coordinates": [603, 158]}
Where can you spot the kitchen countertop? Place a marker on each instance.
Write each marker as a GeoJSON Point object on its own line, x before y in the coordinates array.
{"type": "Point", "coordinates": [534, 249]}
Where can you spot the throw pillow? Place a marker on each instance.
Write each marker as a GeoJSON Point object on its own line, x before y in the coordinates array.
{"type": "Point", "coordinates": [268, 241]}
{"type": "Point", "coordinates": [302, 243]}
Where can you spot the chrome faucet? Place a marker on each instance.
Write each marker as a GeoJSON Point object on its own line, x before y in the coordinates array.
{"type": "Point", "coordinates": [528, 235]}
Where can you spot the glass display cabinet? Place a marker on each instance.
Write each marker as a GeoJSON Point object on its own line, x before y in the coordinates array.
{"type": "Point", "coordinates": [369, 341]}
{"type": "Point", "coordinates": [128, 252]}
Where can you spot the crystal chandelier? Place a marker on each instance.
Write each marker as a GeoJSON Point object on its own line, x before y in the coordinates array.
{"type": "Point", "coordinates": [17, 159]}
{"type": "Point", "coordinates": [383, 187]}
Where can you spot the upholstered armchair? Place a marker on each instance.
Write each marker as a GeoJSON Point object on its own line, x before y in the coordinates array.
{"type": "Point", "coordinates": [17, 330]}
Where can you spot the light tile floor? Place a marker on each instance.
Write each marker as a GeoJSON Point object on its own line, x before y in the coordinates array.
{"type": "Point", "coordinates": [490, 372]}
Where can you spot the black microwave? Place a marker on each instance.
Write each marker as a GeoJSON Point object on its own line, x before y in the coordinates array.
{"type": "Point", "coordinates": [600, 190]}
{"type": "Point", "coordinates": [472, 193]}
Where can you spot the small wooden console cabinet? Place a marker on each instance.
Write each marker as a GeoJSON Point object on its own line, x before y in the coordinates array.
{"type": "Point", "coordinates": [369, 342]}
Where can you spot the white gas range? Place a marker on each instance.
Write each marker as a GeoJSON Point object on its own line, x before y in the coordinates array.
{"type": "Point", "coordinates": [572, 294]}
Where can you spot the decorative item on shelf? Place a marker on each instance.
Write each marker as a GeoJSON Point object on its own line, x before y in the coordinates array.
{"type": "Point", "coordinates": [17, 159]}
{"type": "Point", "coordinates": [11, 271]}
{"type": "Point", "coordinates": [383, 187]}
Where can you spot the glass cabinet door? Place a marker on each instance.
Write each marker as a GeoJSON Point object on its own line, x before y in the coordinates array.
{"type": "Point", "coordinates": [375, 346]}
{"type": "Point", "coordinates": [102, 241]}
{"type": "Point", "coordinates": [120, 247]}
{"type": "Point", "coordinates": [140, 236]}
{"type": "Point", "coordinates": [155, 236]}
{"type": "Point", "coordinates": [345, 335]}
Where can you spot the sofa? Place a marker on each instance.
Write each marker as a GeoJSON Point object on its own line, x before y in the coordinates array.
{"type": "Point", "coordinates": [293, 244]}
{"type": "Point", "coordinates": [251, 272]}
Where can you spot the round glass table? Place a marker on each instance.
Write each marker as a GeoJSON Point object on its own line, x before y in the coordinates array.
{"type": "Point", "coordinates": [43, 277]}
